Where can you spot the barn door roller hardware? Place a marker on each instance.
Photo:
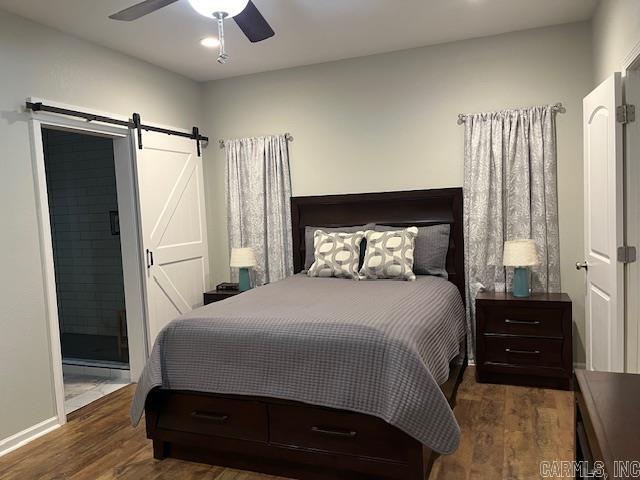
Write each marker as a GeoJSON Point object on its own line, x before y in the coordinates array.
{"type": "Point", "coordinates": [135, 123]}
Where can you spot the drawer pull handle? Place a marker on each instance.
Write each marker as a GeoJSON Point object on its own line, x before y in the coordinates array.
{"type": "Point", "coordinates": [523, 352]}
{"type": "Point", "coordinates": [522, 322]}
{"type": "Point", "coordinates": [334, 433]}
{"type": "Point", "coordinates": [210, 417]}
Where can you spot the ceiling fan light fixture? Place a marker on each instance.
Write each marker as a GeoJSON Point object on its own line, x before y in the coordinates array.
{"type": "Point", "coordinates": [207, 8]}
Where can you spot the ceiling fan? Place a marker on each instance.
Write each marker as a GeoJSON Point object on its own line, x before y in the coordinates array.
{"type": "Point", "coordinates": [244, 12]}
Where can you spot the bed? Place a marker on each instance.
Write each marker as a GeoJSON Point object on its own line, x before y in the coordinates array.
{"type": "Point", "coordinates": [316, 378]}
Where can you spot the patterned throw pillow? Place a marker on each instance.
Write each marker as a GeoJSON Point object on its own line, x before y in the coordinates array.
{"type": "Point", "coordinates": [336, 254]}
{"type": "Point", "coordinates": [308, 240]}
{"type": "Point", "coordinates": [389, 254]}
{"type": "Point", "coordinates": [431, 248]}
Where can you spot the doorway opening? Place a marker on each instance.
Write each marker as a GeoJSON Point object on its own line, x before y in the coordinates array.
{"type": "Point", "coordinates": [52, 118]}
{"type": "Point", "coordinates": [87, 256]}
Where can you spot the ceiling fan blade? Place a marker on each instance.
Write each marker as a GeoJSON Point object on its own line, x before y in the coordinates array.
{"type": "Point", "coordinates": [140, 10]}
{"type": "Point", "coordinates": [253, 24]}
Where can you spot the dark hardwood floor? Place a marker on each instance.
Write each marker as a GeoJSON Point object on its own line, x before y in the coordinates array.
{"type": "Point", "coordinates": [506, 432]}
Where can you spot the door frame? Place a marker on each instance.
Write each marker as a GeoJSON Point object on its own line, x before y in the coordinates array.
{"type": "Point", "coordinates": [131, 241]}
{"type": "Point", "coordinates": [632, 217]}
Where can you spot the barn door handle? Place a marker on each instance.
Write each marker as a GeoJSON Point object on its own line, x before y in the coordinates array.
{"type": "Point", "coordinates": [580, 266]}
{"type": "Point", "coordinates": [149, 258]}
{"type": "Point", "coordinates": [523, 352]}
{"type": "Point", "coordinates": [334, 433]}
{"type": "Point", "coordinates": [210, 417]}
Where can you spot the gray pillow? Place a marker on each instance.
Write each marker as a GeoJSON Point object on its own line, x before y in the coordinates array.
{"type": "Point", "coordinates": [308, 240]}
{"type": "Point", "coordinates": [431, 247]}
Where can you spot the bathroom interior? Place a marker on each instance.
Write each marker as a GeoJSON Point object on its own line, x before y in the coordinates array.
{"type": "Point", "coordinates": [83, 208]}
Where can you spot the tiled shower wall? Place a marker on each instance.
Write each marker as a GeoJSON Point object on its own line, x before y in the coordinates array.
{"type": "Point", "coordinates": [82, 191]}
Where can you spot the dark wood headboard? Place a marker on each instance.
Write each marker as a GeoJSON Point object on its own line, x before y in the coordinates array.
{"type": "Point", "coordinates": [401, 209]}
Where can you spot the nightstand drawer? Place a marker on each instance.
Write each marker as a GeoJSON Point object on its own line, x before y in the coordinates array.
{"type": "Point", "coordinates": [546, 322]}
{"type": "Point", "coordinates": [522, 351]}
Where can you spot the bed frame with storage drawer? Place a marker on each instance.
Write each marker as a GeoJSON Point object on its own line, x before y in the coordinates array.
{"type": "Point", "coordinates": [286, 438]}
{"type": "Point", "coordinates": [298, 440]}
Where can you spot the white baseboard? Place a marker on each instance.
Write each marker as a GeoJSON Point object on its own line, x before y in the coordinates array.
{"type": "Point", "coordinates": [580, 365]}
{"type": "Point", "coordinates": [25, 436]}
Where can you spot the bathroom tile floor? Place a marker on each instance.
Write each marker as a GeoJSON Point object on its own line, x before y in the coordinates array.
{"type": "Point", "coordinates": [81, 390]}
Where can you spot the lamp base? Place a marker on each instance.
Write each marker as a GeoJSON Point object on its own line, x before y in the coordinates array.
{"type": "Point", "coordinates": [521, 282]}
{"type": "Point", "coordinates": [244, 283]}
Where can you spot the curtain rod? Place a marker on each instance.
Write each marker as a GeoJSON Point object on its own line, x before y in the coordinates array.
{"type": "Point", "coordinates": [288, 137]}
{"type": "Point", "coordinates": [558, 107]}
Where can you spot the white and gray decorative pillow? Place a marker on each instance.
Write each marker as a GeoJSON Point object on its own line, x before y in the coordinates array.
{"type": "Point", "coordinates": [308, 240]}
{"type": "Point", "coordinates": [337, 254]}
{"type": "Point", "coordinates": [431, 248]}
{"type": "Point", "coordinates": [389, 254]}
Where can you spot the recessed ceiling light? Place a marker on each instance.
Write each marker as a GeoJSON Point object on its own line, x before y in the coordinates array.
{"type": "Point", "coordinates": [210, 42]}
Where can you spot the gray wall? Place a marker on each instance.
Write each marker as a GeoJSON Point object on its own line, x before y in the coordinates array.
{"type": "Point", "coordinates": [616, 31]}
{"type": "Point", "coordinates": [388, 122]}
{"type": "Point", "coordinates": [81, 182]}
{"type": "Point", "coordinates": [39, 61]}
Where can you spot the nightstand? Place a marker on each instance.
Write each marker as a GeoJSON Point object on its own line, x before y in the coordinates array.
{"type": "Point", "coordinates": [217, 295]}
{"type": "Point", "coordinates": [524, 341]}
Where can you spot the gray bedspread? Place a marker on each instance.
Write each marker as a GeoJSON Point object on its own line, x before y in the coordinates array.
{"type": "Point", "coordinates": [377, 347]}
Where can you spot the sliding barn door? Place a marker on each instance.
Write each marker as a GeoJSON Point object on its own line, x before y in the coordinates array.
{"type": "Point", "coordinates": [174, 232]}
{"type": "Point", "coordinates": [604, 227]}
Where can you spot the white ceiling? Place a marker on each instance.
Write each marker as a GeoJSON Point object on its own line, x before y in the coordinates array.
{"type": "Point", "coordinates": [307, 31]}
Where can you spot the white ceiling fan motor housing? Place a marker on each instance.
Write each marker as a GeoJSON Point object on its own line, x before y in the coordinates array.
{"type": "Point", "coordinates": [208, 8]}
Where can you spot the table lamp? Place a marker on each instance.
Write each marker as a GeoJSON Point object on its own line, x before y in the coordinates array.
{"type": "Point", "coordinates": [244, 259]}
{"type": "Point", "coordinates": [520, 254]}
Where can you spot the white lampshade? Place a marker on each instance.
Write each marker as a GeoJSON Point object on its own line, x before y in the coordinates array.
{"type": "Point", "coordinates": [520, 253]}
{"type": "Point", "coordinates": [242, 258]}
{"type": "Point", "coordinates": [208, 7]}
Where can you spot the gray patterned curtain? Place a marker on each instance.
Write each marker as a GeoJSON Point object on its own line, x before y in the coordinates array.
{"type": "Point", "coordinates": [258, 187]}
{"type": "Point", "coordinates": [510, 192]}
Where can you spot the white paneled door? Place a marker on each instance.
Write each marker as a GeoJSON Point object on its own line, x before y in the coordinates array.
{"type": "Point", "coordinates": [604, 227]}
{"type": "Point", "coordinates": [173, 223]}
{"type": "Point", "coordinates": [632, 210]}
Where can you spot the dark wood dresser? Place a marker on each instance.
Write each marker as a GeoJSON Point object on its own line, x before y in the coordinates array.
{"type": "Point", "coordinates": [608, 423]}
{"type": "Point", "coordinates": [524, 341]}
{"type": "Point", "coordinates": [217, 295]}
